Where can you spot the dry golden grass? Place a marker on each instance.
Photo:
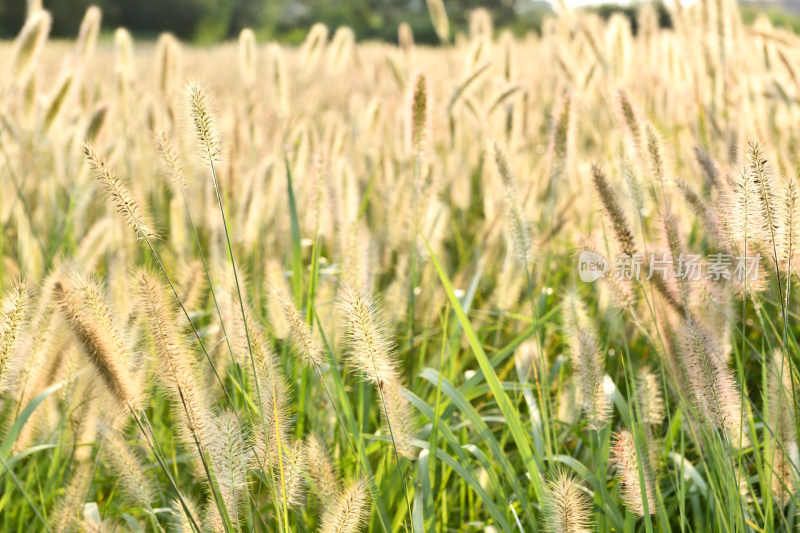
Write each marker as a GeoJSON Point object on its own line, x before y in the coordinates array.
{"type": "Point", "coordinates": [253, 287]}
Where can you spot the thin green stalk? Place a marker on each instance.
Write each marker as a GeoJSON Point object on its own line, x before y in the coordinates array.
{"type": "Point", "coordinates": [360, 454]}
{"type": "Point", "coordinates": [154, 447]}
{"type": "Point", "coordinates": [24, 494]}
{"type": "Point", "coordinates": [285, 525]}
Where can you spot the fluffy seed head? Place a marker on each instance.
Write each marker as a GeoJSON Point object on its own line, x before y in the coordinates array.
{"type": "Point", "coordinates": [96, 122]}
{"type": "Point", "coordinates": [65, 515]}
{"type": "Point", "coordinates": [651, 400]}
{"type": "Point", "coordinates": [566, 506]}
{"type": "Point", "coordinates": [438, 16]}
{"type": "Point", "coordinates": [420, 109]}
{"type": "Point", "coordinates": [341, 48]}
{"type": "Point", "coordinates": [39, 344]}
{"type": "Point", "coordinates": [629, 116]}
{"type": "Point", "coordinates": [193, 287]}
{"type": "Point", "coordinates": [247, 56]}
{"type": "Point", "coordinates": [295, 464]}
{"type": "Point", "coordinates": [400, 424]}
{"type": "Point", "coordinates": [91, 321]}
{"type": "Point", "coordinates": [405, 37]}
{"type": "Point", "coordinates": [520, 229]}
{"type": "Point", "coordinates": [312, 48]}
{"type": "Point", "coordinates": [229, 456]}
{"type": "Point", "coordinates": [29, 95]}
{"type": "Point", "coordinates": [178, 373]}
{"type": "Point", "coordinates": [780, 403]}
{"type": "Point", "coordinates": [323, 477]}
{"type": "Point", "coordinates": [272, 435]}
{"type": "Point", "coordinates": [784, 447]}
{"type": "Point", "coordinates": [204, 123]}
{"type": "Point", "coordinates": [480, 24]}
{"type": "Point", "coordinates": [634, 186]}
{"type": "Point", "coordinates": [371, 350]}
{"type": "Point", "coordinates": [626, 460]}
{"type": "Point", "coordinates": [674, 241]}
{"type": "Point", "coordinates": [172, 160]}
{"type": "Point", "coordinates": [655, 153]}
{"type": "Point", "coordinates": [304, 343]}
{"type": "Point", "coordinates": [318, 199]}
{"type": "Point", "coordinates": [789, 236]}
{"type": "Point", "coordinates": [588, 361]}
{"type": "Point", "coordinates": [126, 205]}
{"type": "Point", "coordinates": [252, 340]}
{"type": "Point", "coordinates": [168, 53]}
{"type": "Point", "coordinates": [30, 42]}
{"type": "Point", "coordinates": [87, 34]}
{"type": "Point", "coordinates": [613, 210]}
{"type": "Point", "coordinates": [714, 388]}
{"type": "Point", "coordinates": [784, 472]}
{"type": "Point", "coordinates": [123, 44]}
{"type": "Point", "coordinates": [276, 401]}
{"type": "Point", "coordinates": [355, 246]}
{"type": "Point", "coordinates": [278, 78]}
{"type": "Point", "coordinates": [349, 513]}
{"type": "Point", "coordinates": [55, 104]}
{"type": "Point", "coordinates": [560, 141]}
{"type": "Point", "coordinates": [701, 209]}
{"type": "Point", "coordinates": [181, 521]}
{"type": "Point", "coordinates": [32, 7]}
{"type": "Point", "coordinates": [275, 283]}
{"type": "Point", "coordinates": [13, 313]}
{"type": "Point", "coordinates": [374, 355]}
{"type": "Point", "coordinates": [710, 168]}
{"type": "Point", "coordinates": [128, 467]}
{"type": "Point", "coordinates": [766, 201]}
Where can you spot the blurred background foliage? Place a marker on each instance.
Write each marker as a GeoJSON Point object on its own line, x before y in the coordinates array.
{"type": "Point", "coordinates": [209, 21]}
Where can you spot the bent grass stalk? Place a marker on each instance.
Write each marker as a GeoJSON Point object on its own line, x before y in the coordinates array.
{"type": "Point", "coordinates": [371, 353]}
{"type": "Point", "coordinates": [205, 129]}
{"type": "Point", "coordinates": [129, 210]}
{"type": "Point", "coordinates": [179, 179]}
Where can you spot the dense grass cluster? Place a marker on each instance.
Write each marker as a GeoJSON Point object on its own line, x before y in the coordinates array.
{"type": "Point", "coordinates": [336, 288]}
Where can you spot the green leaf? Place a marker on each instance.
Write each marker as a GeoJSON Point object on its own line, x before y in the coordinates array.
{"type": "Point", "coordinates": [511, 414]}
{"type": "Point", "coordinates": [22, 419]}
{"type": "Point", "coordinates": [297, 252]}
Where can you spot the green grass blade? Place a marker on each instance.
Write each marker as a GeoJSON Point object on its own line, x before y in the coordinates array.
{"type": "Point", "coordinates": [19, 422]}
{"type": "Point", "coordinates": [509, 412]}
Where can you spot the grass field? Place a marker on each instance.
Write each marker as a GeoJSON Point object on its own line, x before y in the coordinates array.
{"type": "Point", "coordinates": [538, 284]}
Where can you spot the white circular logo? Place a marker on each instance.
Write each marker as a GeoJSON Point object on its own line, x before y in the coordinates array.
{"type": "Point", "coordinates": [591, 266]}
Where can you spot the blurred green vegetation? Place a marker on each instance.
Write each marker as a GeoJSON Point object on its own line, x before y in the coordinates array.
{"type": "Point", "coordinates": [630, 11]}
{"type": "Point", "coordinates": [208, 21]}
{"type": "Point", "coordinates": [779, 17]}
